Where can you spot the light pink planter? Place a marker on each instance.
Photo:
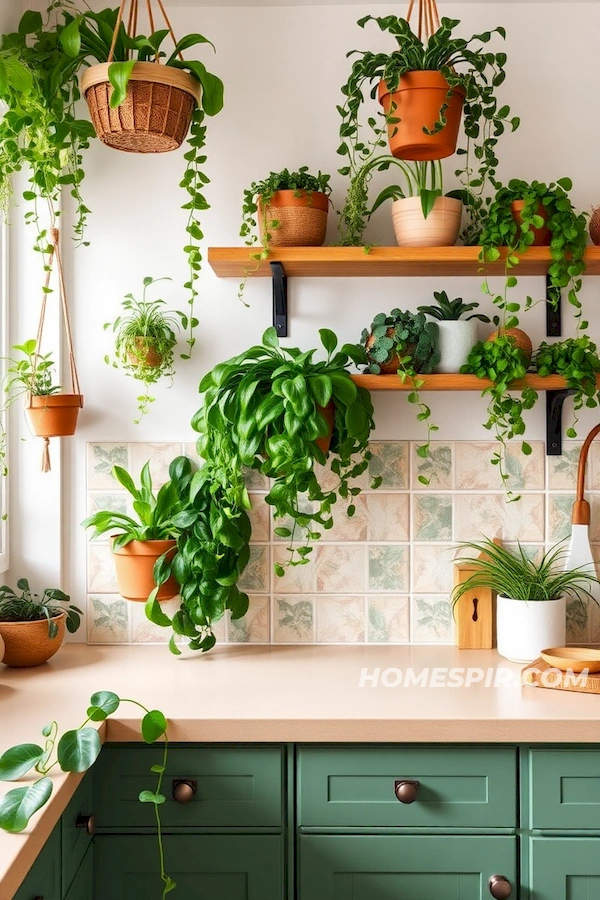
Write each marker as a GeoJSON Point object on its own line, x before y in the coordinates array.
{"type": "Point", "coordinates": [439, 229]}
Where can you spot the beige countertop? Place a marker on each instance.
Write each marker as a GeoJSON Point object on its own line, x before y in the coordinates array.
{"type": "Point", "coordinates": [267, 693]}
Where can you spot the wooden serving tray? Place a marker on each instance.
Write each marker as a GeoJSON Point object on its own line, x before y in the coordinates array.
{"type": "Point", "coordinates": [540, 674]}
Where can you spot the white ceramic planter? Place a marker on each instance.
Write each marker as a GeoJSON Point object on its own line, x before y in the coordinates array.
{"type": "Point", "coordinates": [455, 340]}
{"type": "Point", "coordinates": [524, 629]}
{"type": "Point", "coordinates": [439, 229]}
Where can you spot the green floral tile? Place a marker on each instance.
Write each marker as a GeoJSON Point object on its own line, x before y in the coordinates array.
{"type": "Point", "coordinates": [305, 506]}
{"type": "Point", "coordinates": [437, 467]}
{"type": "Point", "coordinates": [145, 632]}
{"type": "Point", "coordinates": [474, 471]}
{"type": "Point", "coordinates": [329, 480]}
{"type": "Point", "coordinates": [432, 568]}
{"type": "Point", "coordinates": [159, 455]}
{"type": "Point", "coordinates": [431, 619]}
{"type": "Point", "coordinates": [340, 568]}
{"type": "Point", "coordinates": [297, 579]}
{"type": "Point", "coordinates": [100, 461]}
{"type": "Point", "coordinates": [345, 527]}
{"type": "Point", "coordinates": [256, 481]}
{"type": "Point", "coordinates": [390, 463]}
{"type": "Point", "coordinates": [260, 519]}
{"type": "Point", "coordinates": [101, 577]}
{"type": "Point", "coordinates": [255, 576]}
{"type": "Point", "coordinates": [594, 624]}
{"type": "Point", "coordinates": [253, 628]}
{"type": "Point", "coordinates": [388, 516]}
{"type": "Point", "coordinates": [107, 619]}
{"type": "Point", "coordinates": [388, 620]}
{"type": "Point", "coordinates": [560, 507]}
{"type": "Point", "coordinates": [388, 568]}
{"type": "Point", "coordinates": [190, 449]}
{"type": "Point", "coordinates": [340, 620]}
{"type": "Point", "coordinates": [492, 515]}
{"type": "Point", "coordinates": [115, 501]}
{"type": "Point", "coordinates": [578, 622]}
{"type": "Point", "coordinates": [594, 501]}
{"type": "Point", "coordinates": [562, 470]}
{"type": "Point", "coordinates": [293, 619]}
{"type": "Point", "coordinates": [432, 517]}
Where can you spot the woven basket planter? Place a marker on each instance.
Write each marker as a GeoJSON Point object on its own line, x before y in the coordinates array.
{"type": "Point", "coordinates": [302, 217]}
{"type": "Point", "coordinates": [156, 114]}
{"type": "Point", "coordinates": [54, 415]}
{"type": "Point", "coordinates": [27, 643]}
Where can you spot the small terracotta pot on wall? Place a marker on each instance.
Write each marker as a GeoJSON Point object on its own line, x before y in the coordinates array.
{"type": "Point", "coordinates": [522, 340]}
{"type": "Point", "coordinates": [418, 100]}
{"type": "Point", "coordinates": [541, 236]}
{"type": "Point", "coordinates": [134, 564]}
{"type": "Point", "coordinates": [302, 217]}
{"type": "Point", "coordinates": [54, 415]}
{"type": "Point", "coordinates": [328, 413]}
{"type": "Point", "coordinates": [145, 354]}
{"type": "Point", "coordinates": [156, 114]}
{"type": "Point", "coordinates": [439, 229]}
{"type": "Point", "coordinates": [391, 366]}
{"type": "Point", "coordinates": [27, 644]}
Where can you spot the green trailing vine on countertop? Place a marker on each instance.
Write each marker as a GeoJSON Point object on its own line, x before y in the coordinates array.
{"type": "Point", "coordinates": [76, 751]}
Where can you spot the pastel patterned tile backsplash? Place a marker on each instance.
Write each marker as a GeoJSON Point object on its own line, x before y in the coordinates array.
{"type": "Point", "coordinates": [382, 576]}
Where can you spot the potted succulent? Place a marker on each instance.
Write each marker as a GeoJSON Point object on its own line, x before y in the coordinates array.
{"type": "Point", "coordinates": [524, 215]}
{"type": "Point", "coordinates": [532, 595]}
{"type": "Point", "coordinates": [500, 360]}
{"type": "Point", "coordinates": [32, 627]}
{"type": "Point", "coordinates": [145, 340]}
{"type": "Point", "coordinates": [137, 544]}
{"type": "Point", "coordinates": [457, 332]}
{"type": "Point", "coordinates": [576, 360]}
{"type": "Point", "coordinates": [422, 87]}
{"type": "Point", "coordinates": [268, 409]}
{"type": "Point", "coordinates": [404, 343]}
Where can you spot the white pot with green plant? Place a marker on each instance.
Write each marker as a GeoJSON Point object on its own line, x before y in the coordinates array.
{"type": "Point", "coordinates": [456, 335]}
{"type": "Point", "coordinates": [532, 596]}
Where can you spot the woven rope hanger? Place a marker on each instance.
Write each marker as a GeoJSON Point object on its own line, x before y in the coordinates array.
{"type": "Point", "coordinates": [429, 20]}
{"type": "Point", "coordinates": [132, 22]}
{"type": "Point", "coordinates": [75, 388]}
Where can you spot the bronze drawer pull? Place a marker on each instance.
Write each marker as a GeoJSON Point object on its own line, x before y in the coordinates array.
{"type": "Point", "coordinates": [86, 822]}
{"type": "Point", "coordinates": [406, 791]}
{"type": "Point", "coordinates": [184, 789]}
{"type": "Point", "coordinates": [500, 887]}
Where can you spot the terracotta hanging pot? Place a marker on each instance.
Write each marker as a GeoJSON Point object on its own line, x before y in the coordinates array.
{"type": "Point", "coordinates": [302, 218]}
{"type": "Point", "coordinates": [418, 100]}
{"type": "Point", "coordinates": [541, 236]}
{"type": "Point", "coordinates": [522, 341]}
{"type": "Point", "coordinates": [28, 644]}
{"type": "Point", "coordinates": [54, 415]}
{"type": "Point", "coordinates": [156, 114]}
{"type": "Point", "coordinates": [439, 229]}
{"type": "Point", "coordinates": [328, 413]}
{"type": "Point", "coordinates": [145, 354]}
{"type": "Point", "coordinates": [134, 565]}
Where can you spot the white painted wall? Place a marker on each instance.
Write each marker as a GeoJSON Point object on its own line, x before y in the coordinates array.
{"type": "Point", "coordinates": [283, 67]}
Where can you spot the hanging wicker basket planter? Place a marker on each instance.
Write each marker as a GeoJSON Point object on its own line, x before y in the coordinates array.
{"type": "Point", "coordinates": [156, 114]}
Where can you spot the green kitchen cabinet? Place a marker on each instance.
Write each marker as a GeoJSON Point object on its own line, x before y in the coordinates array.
{"type": "Point", "coordinates": [565, 789]}
{"type": "Point", "coordinates": [403, 867]}
{"type": "Point", "coordinates": [76, 826]}
{"type": "Point", "coordinates": [44, 878]}
{"type": "Point", "coordinates": [564, 868]}
{"type": "Point", "coordinates": [205, 867]}
{"type": "Point", "coordinates": [82, 887]}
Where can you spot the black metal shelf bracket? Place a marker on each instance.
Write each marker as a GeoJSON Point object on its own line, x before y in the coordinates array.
{"type": "Point", "coordinates": [554, 409]}
{"type": "Point", "coordinates": [553, 309]}
{"type": "Point", "coordinates": [280, 299]}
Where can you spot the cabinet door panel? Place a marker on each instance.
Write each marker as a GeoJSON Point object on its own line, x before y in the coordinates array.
{"type": "Point", "coordinates": [82, 887]}
{"type": "Point", "coordinates": [43, 880]}
{"type": "Point", "coordinates": [565, 868]}
{"type": "Point", "coordinates": [75, 841]}
{"type": "Point", "coordinates": [565, 788]}
{"type": "Point", "coordinates": [383, 867]}
{"type": "Point", "coordinates": [205, 867]}
{"type": "Point", "coordinates": [458, 787]}
{"type": "Point", "coordinates": [235, 787]}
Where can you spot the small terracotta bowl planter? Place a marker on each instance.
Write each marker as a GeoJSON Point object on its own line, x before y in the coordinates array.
{"type": "Point", "coordinates": [27, 644]}
{"type": "Point", "coordinates": [302, 218]}
{"type": "Point", "coordinates": [134, 565]}
{"type": "Point", "coordinates": [418, 100]}
{"type": "Point", "coordinates": [522, 341]}
{"type": "Point", "coordinates": [439, 229]}
{"type": "Point", "coordinates": [145, 355]}
{"type": "Point", "coordinates": [54, 415]}
{"type": "Point", "coordinates": [541, 236]}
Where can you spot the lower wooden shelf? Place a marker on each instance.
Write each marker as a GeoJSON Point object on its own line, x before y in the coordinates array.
{"type": "Point", "coordinates": [455, 383]}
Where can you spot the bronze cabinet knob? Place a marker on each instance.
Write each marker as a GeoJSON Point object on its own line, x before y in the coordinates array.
{"type": "Point", "coordinates": [86, 822]}
{"type": "Point", "coordinates": [184, 789]}
{"type": "Point", "coordinates": [500, 887]}
{"type": "Point", "coordinates": [406, 791]}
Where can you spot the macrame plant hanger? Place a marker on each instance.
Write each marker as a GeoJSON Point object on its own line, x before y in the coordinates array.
{"type": "Point", "coordinates": [43, 425]}
{"type": "Point", "coordinates": [429, 19]}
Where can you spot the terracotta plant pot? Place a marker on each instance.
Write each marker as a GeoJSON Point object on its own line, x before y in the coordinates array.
{"type": "Point", "coordinates": [27, 643]}
{"type": "Point", "coordinates": [134, 564]}
{"type": "Point", "coordinates": [156, 114]}
{"type": "Point", "coordinates": [328, 413]}
{"type": "Point", "coordinates": [391, 366]}
{"type": "Point", "coordinates": [302, 219]}
{"type": "Point", "coordinates": [151, 358]}
{"type": "Point", "coordinates": [541, 236]}
{"type": "Point", "coordinates": [418, 100]}
{"type": "Point", "coordinates": [439, 229]}
{"type": "Point", "coordinates": [522, 340]}
{"type": "Point", "coordinates": [55, 415]}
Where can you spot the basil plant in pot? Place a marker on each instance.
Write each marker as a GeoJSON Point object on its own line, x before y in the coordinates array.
{"type": "Point", "coordinates": [32, 627]}
{"type": "Point", "coordinates": [531, 609]}
{"type": "Point", "coordinates": [457, 331]}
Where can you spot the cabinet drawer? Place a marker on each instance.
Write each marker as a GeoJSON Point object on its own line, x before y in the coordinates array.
{"type": "Point", "coordinates": [565, 789]}
{"type": "Point", "coordinates": [205, 867]}
{"type": "Point", "coordinates": [235, 787]}
{"type": "Point", "coordinates": [75, 841]}
{"type": "Point", "coordinates": [458, 787]}
{"type": "Point", "coordinates": [565, 868]}
{"type": "Point", "coordinates": [43, 880]}
{"type": "Point", "coordinates": [384, 867]}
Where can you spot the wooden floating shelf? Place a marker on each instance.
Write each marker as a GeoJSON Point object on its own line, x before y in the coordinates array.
{"type": "Point", "coordinates": [456, 383]}
{"type": "Point", "coordinates": [344, 262]}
